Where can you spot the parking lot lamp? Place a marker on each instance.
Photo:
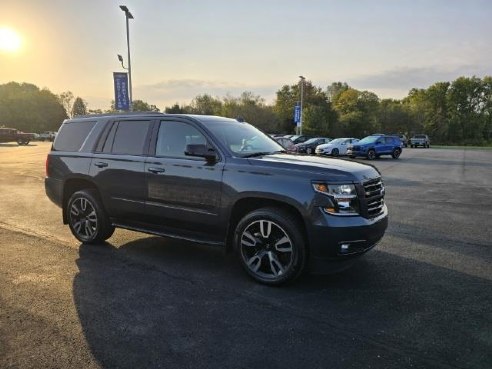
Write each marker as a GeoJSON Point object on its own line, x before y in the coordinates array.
{"type": "Point", "coordinates": [128, 16]}
{"type": "Point", "coordinates": [302, 103]}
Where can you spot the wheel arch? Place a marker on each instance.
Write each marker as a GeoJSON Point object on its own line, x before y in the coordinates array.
{"type": "Point", "coordinates": [246, 205]}
{"type": "Point", "coordinates": [71, 186]}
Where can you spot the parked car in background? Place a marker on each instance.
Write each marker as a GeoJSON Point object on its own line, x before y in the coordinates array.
{"type": "Point", "coordinates": [286, 143]}
{"type": "Point", "coordinates": [299, 138]}
{"type": "Point", "coordinates": [374, 146]}
{"type": "Point", "coordinates": [404, 140]}
{"type": "Point", "coordinates": [14, 135]}
{"type": "Point", "coordinates": [420, 140]}
{"type": "Point", "coordinates": [310, 145]}
{"type": "Point", "coordinates": [336, 147]}
{"type": "Point", "coordinates": [47, 136]}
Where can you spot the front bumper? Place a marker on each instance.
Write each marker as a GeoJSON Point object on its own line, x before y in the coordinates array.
{"type": "Point", "coordinates": [335, 240]}
{"type": "Point", "coordinates": [352, 152]}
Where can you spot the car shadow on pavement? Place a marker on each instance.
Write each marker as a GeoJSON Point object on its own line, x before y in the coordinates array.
{"type": "Point", "coordinates": [155, 302]}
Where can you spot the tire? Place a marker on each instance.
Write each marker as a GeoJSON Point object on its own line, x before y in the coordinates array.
{"type": "Point", "coordinates": [371, 154]}
{"type": "Point", "coordinates": [352, 156]}
{"type": "Point", "coordinates": [335, 152]}
{"type": "Point", "coordinates": [270, 246]}
{"type": "Point", "coordinates": [87, 218]}
{"type": "Point", "coordinates": [309, 151]}
{"type": "Point", "coordinates": [396, 153]}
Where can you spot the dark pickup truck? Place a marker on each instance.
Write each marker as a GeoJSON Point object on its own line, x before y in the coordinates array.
{"type": "Point", "coordinates": [216, 181]}
{"type": "Point", "coordinates": [14, 135]}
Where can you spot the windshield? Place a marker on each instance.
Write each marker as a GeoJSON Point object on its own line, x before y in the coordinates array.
{"type": "Point", "coordinates": [310, 141]}
{"type": "Point", "coordinates": [337, 141]}
{"type": "Point", "coordinates": [368, 140]}
{"type": "Point", "coordinates": [243, 139]}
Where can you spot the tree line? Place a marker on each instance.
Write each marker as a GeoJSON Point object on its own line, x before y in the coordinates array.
{"type": "Point", "coordinates": [457, 112]}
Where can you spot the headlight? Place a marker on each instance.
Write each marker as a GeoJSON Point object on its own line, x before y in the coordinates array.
{"type": "Point", "coordinates": [344, 197]}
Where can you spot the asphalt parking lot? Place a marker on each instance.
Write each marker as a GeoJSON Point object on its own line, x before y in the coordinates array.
{"type": "Point", "coordinates": [421, 299]}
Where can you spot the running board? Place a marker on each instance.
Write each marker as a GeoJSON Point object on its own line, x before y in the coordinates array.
{"type": "Point", "coordinates": [168, 235]}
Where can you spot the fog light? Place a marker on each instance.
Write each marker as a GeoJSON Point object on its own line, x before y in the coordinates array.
{"type": "Point", "coordinates": [344, 247]}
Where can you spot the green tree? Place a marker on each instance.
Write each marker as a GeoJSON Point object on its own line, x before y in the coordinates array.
{"type": "Point", "coordinates": [466, 103]}
{"type": "Point", "coordinates": [358, 112]}
{"type": "Point", "coordinates": [25, 107]}
{"type": "Point", "coordinates": [252, 109]}
{"type": "Point", "coordinates": [206, 105]}
{"type": "Point", "coordinates": [139, 105]}
{"type": "Point", "coordinates": [289, 96]}
{"type": "Point", "coordinates": [175, 109]}
{"type": "Point", "coordinates": [335, 89]}
{"type": "Point", "coordinates": [79, 107]}
{"type": "Point", "coordinates": [394, 117]}
{"type": "Point", "coordinates": [66, 99]}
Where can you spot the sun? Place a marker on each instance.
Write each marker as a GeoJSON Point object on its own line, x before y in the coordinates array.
{"type": "Point", "coordinates": [10, 41]}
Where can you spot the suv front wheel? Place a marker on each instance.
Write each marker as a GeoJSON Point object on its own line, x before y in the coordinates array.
{"type": "Point", "coordinates": [86, 217]}
{"type": "Point", "coordinates": [396, 153]}
{"type": "Point", "coordinates": [270, 246]}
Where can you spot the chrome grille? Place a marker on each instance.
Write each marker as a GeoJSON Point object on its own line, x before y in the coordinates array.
{"type": "Point", "coordinates": [374, 196]}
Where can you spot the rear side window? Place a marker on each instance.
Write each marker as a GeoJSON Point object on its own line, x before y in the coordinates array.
{"type": "Point", "coordinates": [130, 137]}
{"type": "Point", "coordinates": [72, 135]}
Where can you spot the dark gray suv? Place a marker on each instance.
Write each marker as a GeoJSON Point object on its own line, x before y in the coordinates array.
{"type": "Point", "coordinates": [215, 181]}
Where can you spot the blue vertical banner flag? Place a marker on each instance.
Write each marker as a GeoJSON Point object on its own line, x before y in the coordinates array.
{"type": "Point", "coordinates": [297, 114]}
{"type": "Point", "coordinates": [121, 98]}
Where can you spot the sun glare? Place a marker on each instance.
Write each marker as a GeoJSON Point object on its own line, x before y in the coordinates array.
{"type": "Point", "coordinates": [10, 41]}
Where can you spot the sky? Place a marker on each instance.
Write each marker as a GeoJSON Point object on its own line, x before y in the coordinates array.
{"type": "Point", "coordinates": [183, 48]}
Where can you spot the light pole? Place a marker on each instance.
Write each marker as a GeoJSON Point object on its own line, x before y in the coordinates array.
{"type": "Point", "coordinates": [302, 103]}
{"type": "Point", "coordinates": [128, 16]}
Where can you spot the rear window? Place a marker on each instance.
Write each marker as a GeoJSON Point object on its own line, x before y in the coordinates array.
{"type": "Point", "coordinates": [72, 135]}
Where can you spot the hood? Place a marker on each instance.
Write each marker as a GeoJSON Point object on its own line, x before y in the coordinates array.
{"type": "Point", "coordinates": [324, 146]}
{"type": "Point", "coordinates": [319, 168]}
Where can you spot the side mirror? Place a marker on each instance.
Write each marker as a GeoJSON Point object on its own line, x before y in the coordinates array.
{"type": "Point", "coordinates": [379, 142]}
{"type": "Point", "coordinates": [201, 151]}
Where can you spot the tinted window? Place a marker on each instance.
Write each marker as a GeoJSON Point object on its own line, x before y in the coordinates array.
{"type": "Point", "coordinates": [130, 137]}
{"type": "Point", "coordinates": [174, 136]}
{"type": "Point", "coordinates": [108, 145]}
{"type": "Point", "coordinates": [368, 140]}
{"type": "Point", "coordinates": [72, 135]}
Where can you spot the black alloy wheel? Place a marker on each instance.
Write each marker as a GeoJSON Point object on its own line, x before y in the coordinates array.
{"type": "Point", "coordinates": [371, 154]}
{"type": "Point", "coordinates": [335, 152]}
{"type": "Point", "coordinates": [396, 153]}
{"type": "Point", "coordinates": [270, 246]}
{"type": "Point", "coordinates": [87, 219]}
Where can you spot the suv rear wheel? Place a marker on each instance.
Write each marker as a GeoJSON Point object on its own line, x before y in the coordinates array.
{"type": "Point", "coordinates": [270, 246]}
{"type": "Point", "coordinates": [86, 217]}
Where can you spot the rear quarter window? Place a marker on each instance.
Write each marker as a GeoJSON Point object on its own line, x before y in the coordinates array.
{"type": "Point", "coordinates": [72, 135]}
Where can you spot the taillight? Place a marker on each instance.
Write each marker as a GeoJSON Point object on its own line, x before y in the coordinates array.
{"type": "Point", "coordinates": [47, 165]}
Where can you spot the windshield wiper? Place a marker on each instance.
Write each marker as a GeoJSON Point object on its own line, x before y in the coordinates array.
{"type": "Point", "coordinates": [262, 153]}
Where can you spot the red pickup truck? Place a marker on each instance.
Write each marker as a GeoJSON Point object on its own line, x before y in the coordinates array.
{"type": "Point", "coordinates": [14, 135]}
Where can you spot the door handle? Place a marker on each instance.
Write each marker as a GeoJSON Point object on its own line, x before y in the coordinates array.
{"type": "Point", "coordinates": [156, 170]}
{"type": "Point", "coordinates": [101, 164]}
